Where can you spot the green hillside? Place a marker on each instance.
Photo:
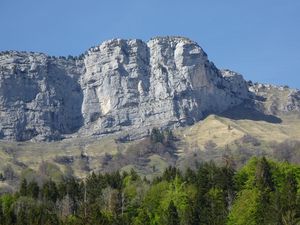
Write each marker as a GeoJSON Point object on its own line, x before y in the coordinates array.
{"type": "Point", "coordinates": [215, 138]}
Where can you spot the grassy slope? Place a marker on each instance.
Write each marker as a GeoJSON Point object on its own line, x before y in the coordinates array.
{"type": "Point", "coordinates": [220, 131]}
{"type": "Point", "coordinates": [223, 131]}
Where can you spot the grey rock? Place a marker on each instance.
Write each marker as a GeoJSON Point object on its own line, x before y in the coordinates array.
{"type": "Point", "coordinates": [39, 96]}
{"type": "Point", "coordinates": [276, 100]}
{"type": "Point", "coordinates": [120, 86]}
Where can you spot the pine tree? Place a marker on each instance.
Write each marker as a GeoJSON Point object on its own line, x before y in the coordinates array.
{"type": "Point", "coordinates": [1, 177]}
{"type": "Point", "coordinates": [171, 173]}
{"type": "Point", "coordinates": [142, 218]}
{"type": "Point", "coordinates": [93, 188]}
{"type": "Point", "coordinates": [133, 175]}
{"type": "Point", "coordinates": [287, 203]}
{"type": "Point", "coordinates": [263, 176]}
{"type": "Point", "coordinates": [227, 184]}
{"type": "Point", "coordinates": [23, 188]}
{"type": "Point", "coordinates": [33, 190]}
{"type": "Point", "coordinates": [8, 210]}
{"type": "Point", "coordinates": [190, 176]}
{"type": "Point", "coordinates": [203, 186]}
{"type": "Point", "coordinates": [156, 136]}
{"type": "Point", "coordinates": [264, 183]}
{"type": "Point", "coordinates": [217, 213]}
{"type": "Point", "coordinates": [75, 190]}
{"type": "Point", "coordinates": [22, 216]}
{"type": "Point", "coordinates": [49, 191]}
{"type": "Point", "coordinates": [172, 217]}
{"type": "Point", "coordinates": [1, 214]}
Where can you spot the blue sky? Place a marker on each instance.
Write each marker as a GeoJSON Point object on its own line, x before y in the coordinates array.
{"type": "Point", "coordinates": [258, 38]}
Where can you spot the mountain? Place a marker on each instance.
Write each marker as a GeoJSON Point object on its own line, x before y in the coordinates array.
{"type": "Point", "coordinates": [69, 116]}
{"type": "Point", "coordinates": [123, 86]}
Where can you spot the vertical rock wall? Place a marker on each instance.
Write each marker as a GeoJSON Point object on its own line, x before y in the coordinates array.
{"type": "Point", "coordinates": [121, 85]}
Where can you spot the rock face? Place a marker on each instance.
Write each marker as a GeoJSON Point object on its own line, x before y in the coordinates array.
{"type": "Point", "coordinates": [165, 82]}
{"type": "Point", "coordinates": [39, 96]}
{"type": "Point", "coordinates": [275, 100]}
{"type": "Point", "coordinates": [120, 86]}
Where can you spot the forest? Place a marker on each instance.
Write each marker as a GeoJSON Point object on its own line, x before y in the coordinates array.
{"type": "Point", "coordinates": [261, 192]}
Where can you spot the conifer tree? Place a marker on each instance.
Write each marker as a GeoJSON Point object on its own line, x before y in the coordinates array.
{"type": "Point", "coordinates": [171, 173]}
{"type": "Point", "coordinates": [1, 177]}
{"type": "Point", "coordinates": [172, 217]}
{"type": "Point", "coordinates": [21, 216]}
{"type": "Point", "coordinates": [263, 176]}
{"type": "Point", "coordinates": [156, 136]}
{"type": "Point", "coordinates": [265, 185]}
{"type": "Point", "coordinates": [289, 208]}
{"type": "Point", "coordinates": [23, 188]}
{"type": "Point", "coordinates": [49, 191]}
{"type": "Point", "coordinates": [1, 214]}
{"type": "Point", "coordinates": [33, 190]}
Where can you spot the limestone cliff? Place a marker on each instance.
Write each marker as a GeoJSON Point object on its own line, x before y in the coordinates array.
{"type": "Point", "coordinates": [119, 86]}
{"type": "Point", "coordinates": [276, 100]}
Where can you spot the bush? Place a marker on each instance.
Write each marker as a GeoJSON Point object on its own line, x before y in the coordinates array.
{"type": "Point", "coordinates": [1, 177]}
{"type": "Point", "coordinates": [250, 140]}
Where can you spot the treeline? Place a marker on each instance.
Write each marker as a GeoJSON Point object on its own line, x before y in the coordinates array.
{"type": "Point", "coordinates": [262, 192]}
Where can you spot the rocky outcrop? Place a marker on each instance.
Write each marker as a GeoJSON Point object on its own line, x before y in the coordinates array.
{"type": "Point", "coordinates": [275, 100]}
{"type": "Point", "coordinates": [39, 96]}
{"type": "Point", "coordinates": [129, 84]}
{"type": "Point", "coordinates": [119, 86]}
